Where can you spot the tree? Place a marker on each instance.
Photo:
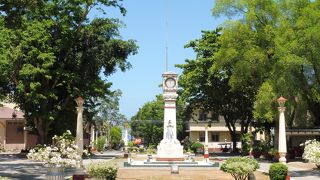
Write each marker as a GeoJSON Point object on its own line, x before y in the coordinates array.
{"type": "Point", "coordinates": [115, 136]}
{"type": "Point", "coordinates": [106, 111]}
{"type": "Point", "coordinates": [206, 87]}
{"type": "Point", "coordinates": [272, 49]}
{"type": "Point", "coordinates": [56, 54]}
{"type": "Point", "coordinates": [148, 121]}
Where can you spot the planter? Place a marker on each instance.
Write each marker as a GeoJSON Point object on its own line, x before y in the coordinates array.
{"type": "Point", "coordinates": [199, 150]}
{"type": "Point", "coordinates": [55, 173]}
{"type": "Point", "coordinates": [277, 157]}
{"type": "Point", "coordinates": [268, 156]}
{"type": "Point", "coordinates": [256, 154]}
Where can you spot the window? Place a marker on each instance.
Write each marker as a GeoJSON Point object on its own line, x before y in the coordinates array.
{"type": "Point", "coordinates": [203, 116]}
{"type": "Point", "coordinates": [201, 136]}
{"type": "Point", "coordinates": [215, 137]}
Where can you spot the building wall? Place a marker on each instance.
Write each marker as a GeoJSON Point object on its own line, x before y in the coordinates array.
{"type": "Point", "coordinates": [14, 132]}
{"type": "Point", "coordinates": [2, 133]}
{"type": "Point", "coordinates": [194, 136]}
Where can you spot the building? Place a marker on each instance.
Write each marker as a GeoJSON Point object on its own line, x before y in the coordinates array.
{"type": "Point", "coordinates": [12, 129]}
{"type": "Point", "coordinates": [218, 134]}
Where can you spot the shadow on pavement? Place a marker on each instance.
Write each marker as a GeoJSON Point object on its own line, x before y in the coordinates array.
{"type": "Point", "coordinates": [302, 173]}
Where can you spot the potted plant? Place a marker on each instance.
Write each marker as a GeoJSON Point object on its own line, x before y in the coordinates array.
{"type": "Point", "coordinates": [63, 153]}
{"type": "Point", "coordinates": [256, 151]}
{"type": "Point", "coordinates": [197, 147]}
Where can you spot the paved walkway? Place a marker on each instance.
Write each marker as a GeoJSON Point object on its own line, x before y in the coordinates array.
{"type": "Point", "coordinates": [16, 166]}
{"type": "Point", "coordinates": [297, 170]}
{"type": "Point", "coordinates": [19, 167]}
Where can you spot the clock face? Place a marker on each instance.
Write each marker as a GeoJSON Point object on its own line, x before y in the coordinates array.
{"type": "Point", "coordinates": [170, 83]}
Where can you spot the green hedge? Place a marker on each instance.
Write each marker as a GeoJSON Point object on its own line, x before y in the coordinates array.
{"type": "Point", "coordinates": [100, 142]}
{"type": "Point", "coordinates": [278, 171]}
{"type": "Point", "coordinates": [240, 167]}
{"type": "Point", "coordinates": [103, 170]}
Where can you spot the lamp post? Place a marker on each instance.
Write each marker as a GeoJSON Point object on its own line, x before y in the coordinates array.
{"type": "Point", "coordinates": [79, 135]}
{"type": "Point", "coordinates": [282, 131]}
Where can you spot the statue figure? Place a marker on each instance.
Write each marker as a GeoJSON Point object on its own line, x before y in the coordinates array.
{"type": "Point", "coordinates": [169, 134]}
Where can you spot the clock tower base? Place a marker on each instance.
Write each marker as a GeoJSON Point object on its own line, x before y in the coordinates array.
{"type": "Point", "coordinates": [170, 151]}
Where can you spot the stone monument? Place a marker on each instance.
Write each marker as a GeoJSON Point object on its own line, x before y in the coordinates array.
{"type": "Point", "coordinates": [170, 148]}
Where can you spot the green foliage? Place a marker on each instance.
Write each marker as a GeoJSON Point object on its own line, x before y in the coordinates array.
{"type": "Point", "coordinates": [51, 53]}
{"type": "Point", "coordinates": [278, 171]}
{"type": "Point", "coordinates": [147, 123]}
{"type": "Point", "coordinates": [131, 144]}
{"type": "Point", "coordinates": [103, 170]}
{"type": "Point", "coordinates": [4, 178]}
{"type": "Point", "coordinates": [240, 167]}
{"type": "Point", "coordinates": [115, 135]}
{"type": "Point", "coordinates": [206, 84]}
{"type": "Point", "coordinates": [272, 51]}
{"type": "Point", "coordinates": [100, 142]}
{"type": "Point", "coordinates": [151, 150]}
{"type": "Point", "coordinates": [246, 145]}
{"type": "Point", "coordinates": [107, 110]}
{"type": "Point", "coordinates": [195, 146]}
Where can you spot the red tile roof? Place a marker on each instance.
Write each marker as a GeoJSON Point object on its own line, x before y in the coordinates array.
{"type": "Point", "coordinates": [6, 113]}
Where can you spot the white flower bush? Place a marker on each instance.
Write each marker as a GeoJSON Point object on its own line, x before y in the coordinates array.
{"type": "Point", "coordinates": [64, 153]}
{"type": "Point", "coordinates": [312, 152]}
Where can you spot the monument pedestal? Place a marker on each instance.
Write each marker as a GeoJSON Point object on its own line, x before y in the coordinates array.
{"type": "Point", "coordinates": [170, 151]}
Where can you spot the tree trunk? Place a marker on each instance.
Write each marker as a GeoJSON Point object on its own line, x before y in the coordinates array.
{"type": "Point", "coordinates": [42, 128]}
{"type": "Point", "coordinates": [232, 131]}
{"type": "Point", "coordinates": [234, 141]}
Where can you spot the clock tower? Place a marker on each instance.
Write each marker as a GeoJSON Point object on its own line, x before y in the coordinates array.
{"type": "Point", "coordinates": [170, 148]}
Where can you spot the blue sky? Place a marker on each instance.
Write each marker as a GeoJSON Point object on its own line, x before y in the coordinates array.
{"type": "Point", "coordinates": [146, 23]}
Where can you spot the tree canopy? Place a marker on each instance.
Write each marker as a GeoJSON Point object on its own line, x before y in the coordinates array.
{"type": "Point", "coordinates": [51, 53]}
{"type": "Point", "coordinates": [147, 123]}
{"type": "Point", "coordinates": [268, 49]}
{"type": "Point", "coordinates": [206, 87]}
{"type": "Point", "coordinates": [272, 50]}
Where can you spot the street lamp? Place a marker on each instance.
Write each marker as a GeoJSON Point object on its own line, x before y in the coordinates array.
{"type": "Point", "coordinates": [79, 135]}
{"type": "Point", "coordinates": [282, 131]}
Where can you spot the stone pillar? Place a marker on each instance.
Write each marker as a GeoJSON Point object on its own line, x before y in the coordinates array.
{"type": "Point", "coordinates": [25, 138]}
{"type": "Point", "coordinates": [282, 131]}
{"type": "Point", "coordinates": [92, 136]}
{"type": "Point", "coordinates": [125, 139]}
{"type": "Point", "coordinates": [206, 144]}
{"type": "Point", "coordinates": [79, 135]}
{"type": "Point", "coordinates": [282, 136]}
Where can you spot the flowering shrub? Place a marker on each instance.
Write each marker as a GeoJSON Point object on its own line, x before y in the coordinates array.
{"type": "Point", "coordinates": [312, 152]}
{"type": "Point", "coordinates": [64, 152]}
{"type": "Point", "coordinates": [103, 170]}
